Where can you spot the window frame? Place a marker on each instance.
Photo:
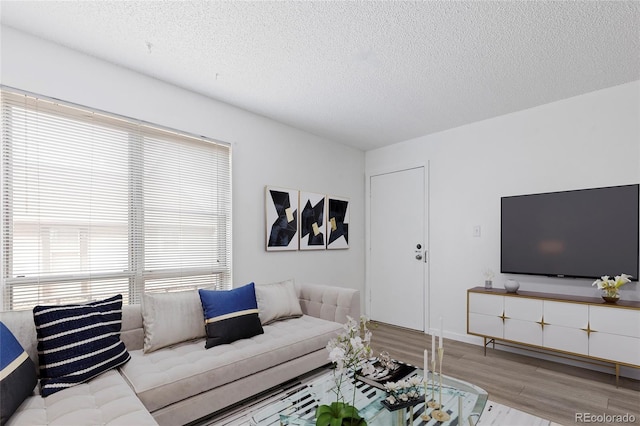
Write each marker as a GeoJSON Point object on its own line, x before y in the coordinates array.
{"type": "Point", "coordinates": [138, 277]}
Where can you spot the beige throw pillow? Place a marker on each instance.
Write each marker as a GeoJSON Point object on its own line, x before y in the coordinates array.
{"type": "Point", "coordinates": [170, 318]}
{"type": "Point", "coordinates": [277, 301]}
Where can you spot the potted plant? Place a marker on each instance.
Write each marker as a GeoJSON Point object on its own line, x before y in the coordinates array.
{"type": "Point", "coordinates": [610, 286]}
{"type": "Point", "coordinates": [348, 351]}
{"type": "Point", "coordinates": [488, 276]}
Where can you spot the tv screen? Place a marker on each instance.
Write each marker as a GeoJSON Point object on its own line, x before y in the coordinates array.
{"type": "Point", "coordinates": [584, 233]}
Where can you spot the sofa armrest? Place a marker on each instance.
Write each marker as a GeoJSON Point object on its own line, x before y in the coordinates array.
{"type": "Point", "coordinates": [329, 302]}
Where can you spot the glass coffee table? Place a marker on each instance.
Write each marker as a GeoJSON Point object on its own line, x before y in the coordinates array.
{"type": "Point", "coordinates": [462, 401]}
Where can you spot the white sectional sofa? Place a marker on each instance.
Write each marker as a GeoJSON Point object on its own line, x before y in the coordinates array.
{"type": "Point", "coordinates": [181, 383]}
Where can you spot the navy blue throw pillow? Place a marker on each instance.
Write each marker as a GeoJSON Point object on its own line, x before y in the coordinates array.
{"type": "Point", "coordinates": [17, 374]}
{"type": "Point", "coordinates": [78, 342]}
{"type": "Point", "coordinates": [230, 315]}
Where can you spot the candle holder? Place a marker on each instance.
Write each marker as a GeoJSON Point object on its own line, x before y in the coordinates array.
{"type": "Point", "coordinates": [439, 414]}
{"type": "Point", "coordinates": [432, 402]}
{"type": "Point", "coordinates": [425, 382]}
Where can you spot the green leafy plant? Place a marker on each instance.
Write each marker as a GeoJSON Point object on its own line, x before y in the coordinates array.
{"type": "Point", "coordinates": [338, 414]}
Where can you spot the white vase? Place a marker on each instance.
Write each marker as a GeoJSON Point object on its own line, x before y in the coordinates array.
{"type": "Point", "coordinates": [511, 286]}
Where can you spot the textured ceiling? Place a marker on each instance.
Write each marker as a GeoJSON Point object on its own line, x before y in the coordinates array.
{"type": "Point", "coordinates": [366, 74]}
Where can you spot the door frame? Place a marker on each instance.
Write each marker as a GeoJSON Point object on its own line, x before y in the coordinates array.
{"type": "Point", "coordinates": [367, 275]}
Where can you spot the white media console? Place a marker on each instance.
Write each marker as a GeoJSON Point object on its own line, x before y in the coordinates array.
{"type": "Point", "coordinates": [572, 325]}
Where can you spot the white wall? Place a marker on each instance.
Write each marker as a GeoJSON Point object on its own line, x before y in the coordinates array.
{"type": "Point", "coordinates": [587, 141]}
{"type": "Point", "coordinates": [264, 152]}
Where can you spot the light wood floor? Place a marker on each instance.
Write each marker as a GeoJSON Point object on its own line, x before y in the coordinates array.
{"type": "Point", "coordinates": [546, 389]}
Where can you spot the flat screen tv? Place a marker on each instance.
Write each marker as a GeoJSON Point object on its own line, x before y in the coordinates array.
{"type": "Point", "coordinates": [582, 234]}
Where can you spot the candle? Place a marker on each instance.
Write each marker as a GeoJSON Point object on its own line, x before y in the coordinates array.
{"type": "Point", "coordinates": [433, 345]}
{"type": "Point", "coordinates": [440, 339]}
{"type": "Point", "coordinates": [426, 361]}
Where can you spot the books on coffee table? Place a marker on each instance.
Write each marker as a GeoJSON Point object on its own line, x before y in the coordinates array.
{"type": "Point", "coordinates": [383, 374]}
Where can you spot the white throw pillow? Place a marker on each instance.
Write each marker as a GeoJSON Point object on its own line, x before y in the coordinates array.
{"type": "Point", "coordinates": [170, 318]}
{"type": "Point", "coordinates": [277, 301]}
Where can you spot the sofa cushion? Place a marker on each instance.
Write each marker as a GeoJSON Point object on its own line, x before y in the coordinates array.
{"type": "Point", "coordinates": [277, 301]}
{"type": "Point", "coordinates": [230, 314]}
{"type": "Point", "coordinates": [17, 374]}
{"type": "Point", "coordinates": [179, 372]}
{"type": "Point", "coordinates": [104, 400]}
{"type": "Point", "coordinates": [171, 318]}
{"type": "Point", "coordinates": [78, 342]}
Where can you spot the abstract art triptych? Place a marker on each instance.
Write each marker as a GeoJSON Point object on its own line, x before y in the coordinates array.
{"type": "Point", "coordinates": [299, 220]}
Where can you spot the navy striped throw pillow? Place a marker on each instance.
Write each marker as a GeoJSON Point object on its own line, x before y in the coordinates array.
{"type": "Point", "coordinates": [78, 342]}
{"type": "Point", "coordinates": [230, 315]}
{"type": "Point", "coordinates": [17, 374]}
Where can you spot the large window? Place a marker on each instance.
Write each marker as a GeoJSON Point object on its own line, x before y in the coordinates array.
{"type": "Point", "coordinates": [94, 205]}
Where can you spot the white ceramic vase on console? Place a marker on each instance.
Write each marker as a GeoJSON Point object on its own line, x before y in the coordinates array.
{"type": "Point", "coordinates": [511, 286]}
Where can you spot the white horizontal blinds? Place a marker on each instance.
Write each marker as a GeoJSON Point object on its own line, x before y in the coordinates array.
{"type": "Point", "coordinates": [66, 214]}
{"type": "Point", "coordinates": [187, 198]}
{"type": "Point", "coordinates": [95, 205]}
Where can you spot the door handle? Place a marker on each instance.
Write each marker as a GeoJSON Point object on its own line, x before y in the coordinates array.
{"type": "Point", "coordinates": [419, 256]}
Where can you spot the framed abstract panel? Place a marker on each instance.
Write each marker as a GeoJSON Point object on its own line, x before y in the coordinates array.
{"type": "Point", "coordinates": [282, 216]}
{"type": "Point", "coordinates": [337, 223]}
{"type": "Point", "coordinates": [313, 225]}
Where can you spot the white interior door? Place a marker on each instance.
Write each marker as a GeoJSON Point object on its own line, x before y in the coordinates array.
{"type": "Point", "coordinates": [398, 248]}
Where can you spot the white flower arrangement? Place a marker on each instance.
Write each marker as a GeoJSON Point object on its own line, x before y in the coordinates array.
{"type": "Point", "coordinates": [403, 390]}
{"type": "Point", "coordinates": [610, 286]}
{"type": "Point", "coordinates": [348, 351]}
{"type": "Point", "coordinates": [351, 350]}
{"type": "Point", "coordinates": [488, 274]}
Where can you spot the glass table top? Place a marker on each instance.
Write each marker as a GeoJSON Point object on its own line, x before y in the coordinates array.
{"type": "Point", "coordinates": [297, 405]}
